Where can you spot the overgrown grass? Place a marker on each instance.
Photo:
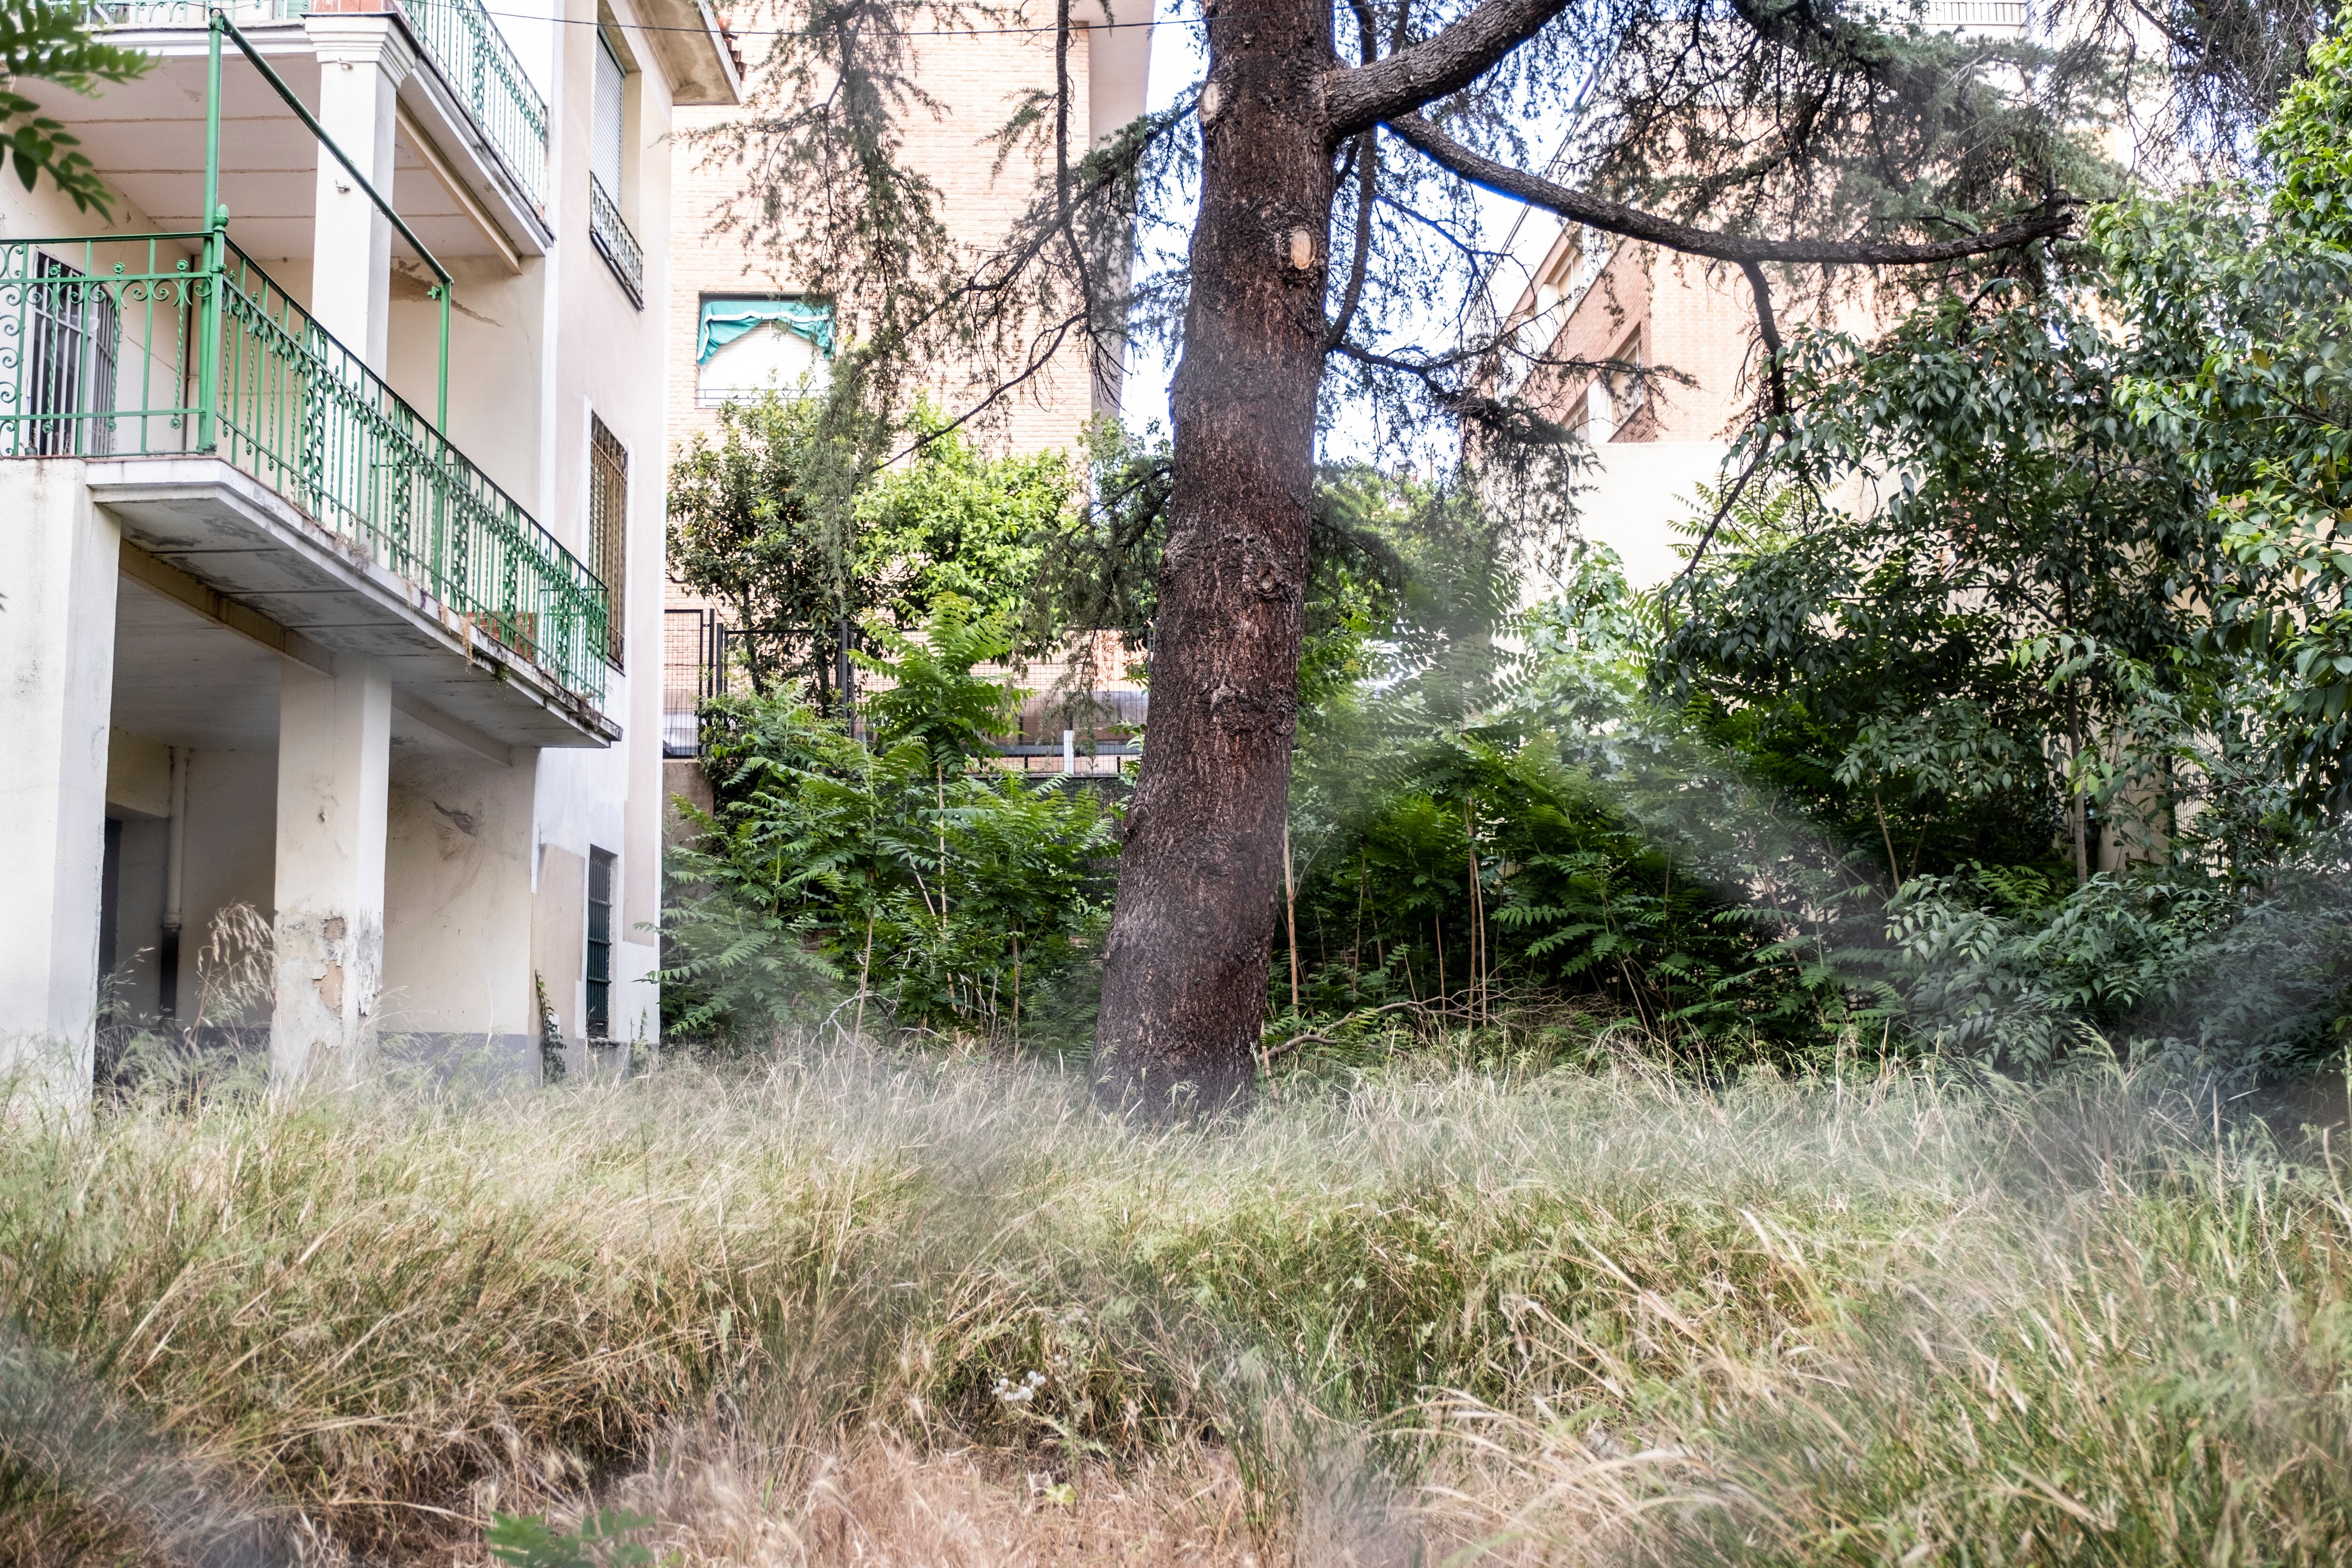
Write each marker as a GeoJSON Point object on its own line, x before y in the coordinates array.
{"type": "Point", "coordinates": [1889, 1319]}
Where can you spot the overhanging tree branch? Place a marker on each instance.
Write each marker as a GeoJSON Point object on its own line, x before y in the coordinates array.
{"type": "Point", "coordinates": [1768, 327]}
{"type": "Point", "coordinates": [1359, 97]}
{"type": "Point", "coordinates": [1367, 190]}
{"type": "Point", "coordinates": [1615, 217]}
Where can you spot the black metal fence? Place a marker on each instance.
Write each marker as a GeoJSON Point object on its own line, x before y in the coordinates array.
{"type": "Point", "coordinates": [692, 661]}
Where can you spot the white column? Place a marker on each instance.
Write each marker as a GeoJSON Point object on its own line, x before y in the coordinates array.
{"type": "Point", "coordinates": [363, 61]}
{"type": "Point", "coordinates": [334, 754]}
{"type": "Point", "coordinates": [58, 561]}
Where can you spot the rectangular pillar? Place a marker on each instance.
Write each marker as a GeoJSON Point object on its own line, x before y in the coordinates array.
{"type": "Point", "coordinates": [58, 566]}
{"type": "Point", "coordinates": [363, 61]}
{"type": "Point", "coordinates": [334, 756]}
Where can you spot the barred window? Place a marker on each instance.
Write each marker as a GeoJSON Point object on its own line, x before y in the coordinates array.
{"type": "Point", "coordinates": [600, 944]}
{"type": "Point", "coordinates": [608, 527]}
{"type": "Point", "coordinates": [76, 334]}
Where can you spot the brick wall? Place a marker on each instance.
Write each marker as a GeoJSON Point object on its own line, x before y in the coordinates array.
{"type": "Point", "coordinates": [1693, 320]}
{"type": "Point", "coordinates": [1680, 316]}
{"type": "Point", "coordinates": [977, 79]}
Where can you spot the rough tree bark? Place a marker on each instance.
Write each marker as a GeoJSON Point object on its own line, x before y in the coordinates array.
{"type": "Point", "coordinates": [1185, 966]}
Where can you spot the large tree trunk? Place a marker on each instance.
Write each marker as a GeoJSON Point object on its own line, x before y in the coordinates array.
{"type": "Point", "coordinates": [1184, 971]}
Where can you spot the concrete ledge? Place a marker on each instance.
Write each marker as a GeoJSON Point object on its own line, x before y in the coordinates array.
{"type": "Point", "coordinates": [228, 529]}
{"type": "Point", "coordinates": [476, 164]}
{"type": "Point", "coordinates": [694, 51]}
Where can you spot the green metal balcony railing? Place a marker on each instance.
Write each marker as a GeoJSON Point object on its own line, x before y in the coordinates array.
{"type": "Point", "coordinates": [191, 13]}
{"type": "Point", "coordinates": [475, 60]}
{"type": "Point", "coordinates": [464, 43]}
{"type": "Point", "coordinates": [179, 343]}
{"type": "Point", "coordinates": [614, 243]}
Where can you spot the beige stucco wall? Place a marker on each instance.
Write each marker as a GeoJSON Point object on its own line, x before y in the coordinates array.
{"type": "Point", "coordinates": [978, 77]}
{"type": "Point", "coordinates": [607, 358]}
{"type": "Point", "coordinates": [458, 892]}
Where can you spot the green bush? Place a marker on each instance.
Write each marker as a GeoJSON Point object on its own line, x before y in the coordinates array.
{"type": "Point", "coordinates": [907, 879]}
{"type": "Point", "coordinates": [1475, 831]}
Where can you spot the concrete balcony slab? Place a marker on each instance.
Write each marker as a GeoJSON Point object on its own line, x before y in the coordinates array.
{"type": "Point", "coordinates": [147, 137]}
{"type": "Point", "coordinates": [226, 530]}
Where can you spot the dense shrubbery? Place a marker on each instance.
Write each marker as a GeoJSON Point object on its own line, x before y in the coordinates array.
{"type": "Point", "coordinates": [1464, 843]}
{"type": "Point", "coordinates": [898, 869]}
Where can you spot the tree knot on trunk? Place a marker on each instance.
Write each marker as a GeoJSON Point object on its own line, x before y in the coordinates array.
{"type": "Point", "coordinates": [1244, 709]}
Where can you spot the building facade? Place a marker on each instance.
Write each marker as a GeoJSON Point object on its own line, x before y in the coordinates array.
{"type": "Point", "coordinates": [1573, 293]}
{"type": "Point", "coordinates": [333, 458]}
{"type": "Point", "coordinates": [741, 325]}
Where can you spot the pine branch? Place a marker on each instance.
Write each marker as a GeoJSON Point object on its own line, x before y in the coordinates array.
{"type": "Point", "coordinates": [1615, 217]}
{"type": "Point", "coordinates": [1356, 99]}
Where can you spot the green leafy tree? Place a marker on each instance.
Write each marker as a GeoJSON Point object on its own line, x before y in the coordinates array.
{"type": "Point", "coordinates": [1961, 625]}
{"type": "Point", "coordinates": [1326, 165]}
{"type": "Point", "coordinates": [791, 522]}
{"type": "Point", "coordinates": [764, 522]}
{"type": "Point", "coordinates": [2241, 302]}
{"type": "Point", "coordinates": [911, 875]}
{"type": "Point", "coordinates": [951, 520]}
{"type": "Point", "coordinates": [49, 41]}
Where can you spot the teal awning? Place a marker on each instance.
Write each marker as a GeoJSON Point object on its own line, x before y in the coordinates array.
{"type": "Point", "coordinates": [724, 321]}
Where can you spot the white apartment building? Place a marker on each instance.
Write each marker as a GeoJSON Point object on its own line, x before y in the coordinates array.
{"type": "Point", "coordinates": [332, 465]}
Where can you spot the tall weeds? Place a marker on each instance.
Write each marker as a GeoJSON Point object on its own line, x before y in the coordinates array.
{"type": "Point", "coordinates": [1581, 1316]}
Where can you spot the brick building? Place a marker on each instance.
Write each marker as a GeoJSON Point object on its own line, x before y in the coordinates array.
{"type": "Point", "coordinates": [1570, 292]}
{"type": "Point", "coordinates": [737, 323]}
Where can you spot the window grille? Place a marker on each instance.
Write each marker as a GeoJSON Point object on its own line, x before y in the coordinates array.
{"type": "Point", "coordinates": [607, 148]}
{"type": "Point", "coordinates": [77, 338]}
{"type": "Point", "coordinates": [608, 527]}
{"type": "Point", "coordinates": [600, 944]}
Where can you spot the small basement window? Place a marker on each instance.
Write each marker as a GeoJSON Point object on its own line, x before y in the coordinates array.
{"type": "Point", "coordinates": [743, 347]}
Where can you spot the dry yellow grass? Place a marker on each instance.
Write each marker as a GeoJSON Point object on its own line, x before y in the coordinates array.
{"type": "Point", "coordinates": [875, 1309]}
{"type": "Point", "coordinates": [889, 1503]}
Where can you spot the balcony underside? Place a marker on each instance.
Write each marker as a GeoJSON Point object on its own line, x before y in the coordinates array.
{"type": "Point", "coordinates": [148, 135]}
{"type": "Point", "coordinates": [296, 588]}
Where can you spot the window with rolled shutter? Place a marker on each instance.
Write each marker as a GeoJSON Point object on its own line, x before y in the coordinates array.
{"type": "Point", "coordinates": [605, 150]}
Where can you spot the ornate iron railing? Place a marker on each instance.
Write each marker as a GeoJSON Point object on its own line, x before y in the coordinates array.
{"type": "Point", "coordinates": [475, 60]}
{"type": "Point", "coordinates": [142, 345]}
{"type": "Point", "coordinates": [191, 13]}
{"type": "Point", "coordinates": [616, 243]}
